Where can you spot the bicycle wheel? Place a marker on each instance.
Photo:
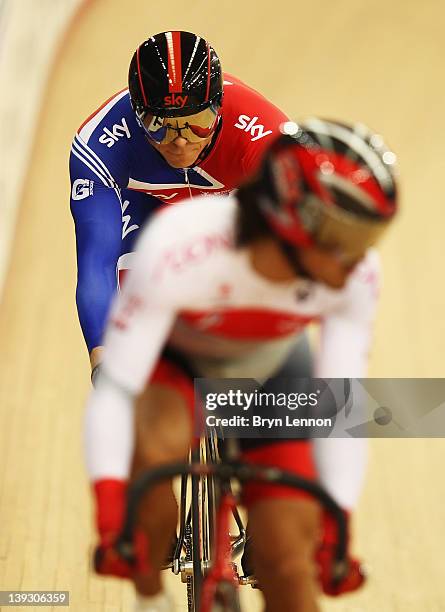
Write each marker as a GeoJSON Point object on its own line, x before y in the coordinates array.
{"type": "Point", "coordinates": [210, 498]}
{"type": "Point", "coordinates": [196, 539]}
{"type": "Point", "coordinates": [203, 515]}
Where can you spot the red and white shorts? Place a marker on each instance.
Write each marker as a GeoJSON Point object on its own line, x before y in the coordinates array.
{"type": "Point", "coordinates": [294, 456]}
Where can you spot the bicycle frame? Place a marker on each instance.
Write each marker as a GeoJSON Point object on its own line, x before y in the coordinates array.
{"type": "Point", "coordinates": [221, 568]}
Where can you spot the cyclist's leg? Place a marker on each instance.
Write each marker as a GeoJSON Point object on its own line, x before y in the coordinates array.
{"type": "Point", "coordinates": [285, 529]}
{"type": "Point", "coordinates": [298, 364]}
{"type": "Point", "coordinates": [163, 435]}
{"type": "Point", "coordinates": [284, 539]}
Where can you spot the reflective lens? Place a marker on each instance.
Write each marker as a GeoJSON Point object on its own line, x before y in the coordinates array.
{"type": "Point", "coordinates": [193, 128]}
{"type": "Point", "coordinates": [337, 229]}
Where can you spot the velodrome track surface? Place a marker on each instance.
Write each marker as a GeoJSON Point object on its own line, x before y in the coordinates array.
{"type": "Point", "coordinates": [377, 62]}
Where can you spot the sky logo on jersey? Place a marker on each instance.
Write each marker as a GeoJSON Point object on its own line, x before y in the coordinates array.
{"type": "Point", "coordinates": [82, 188]}
{"type": "Point", "coordinates": [257, 130]}
{"type": "Point", "coordinates": [109, 137]}
{"type": "Point", "coordinates": [174, 100]}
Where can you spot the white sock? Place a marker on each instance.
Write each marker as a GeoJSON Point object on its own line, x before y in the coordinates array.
{"type": "Point", "coordinates": [162, 602]}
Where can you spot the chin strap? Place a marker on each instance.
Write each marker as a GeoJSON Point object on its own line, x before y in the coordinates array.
{"type": "Point", "coordinates": [293, 257]}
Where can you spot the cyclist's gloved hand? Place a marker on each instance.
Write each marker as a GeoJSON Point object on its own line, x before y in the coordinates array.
{"type": "Point", "coordinates": [108, 561]}
{"type": "Point", "coordinates": [110, 513]}
{"type": "Point", "coordinates": [354, 577]}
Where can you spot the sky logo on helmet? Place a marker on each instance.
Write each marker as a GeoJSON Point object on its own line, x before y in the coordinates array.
{"type": "Point", "coordinates": [82, 188]}
{"type": "Point", "coordinates": [175, 100]}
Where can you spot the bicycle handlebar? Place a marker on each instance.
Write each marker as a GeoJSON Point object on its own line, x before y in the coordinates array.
{"type": "Point", "coordinates": [243, 472]}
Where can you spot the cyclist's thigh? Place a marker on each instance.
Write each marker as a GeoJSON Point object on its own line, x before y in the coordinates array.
{"type": "Point", "coordinates": [280, 517]}
{"type": "Point", "coordinates": [295, 456]}
{"type": "Point", "coordinates": [291, 377]}
{"type": "Point", "coordinates": [299, 362]}
{"type": "Point", "coordinates": [163, 415]}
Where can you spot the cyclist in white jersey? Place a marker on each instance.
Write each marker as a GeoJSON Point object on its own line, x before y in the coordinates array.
{"type": "Point", "coordinates": [227, 288]}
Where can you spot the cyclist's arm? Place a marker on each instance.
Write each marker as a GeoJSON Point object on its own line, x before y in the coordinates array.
{"type": "Point", "coordinates": [345, 345]}
{"type": "Point", "coordinates": [138, 326]}
{"type": "Point", "coordinates": [96, 210]}
{"type": "Point", "coordinates": [346, 331]}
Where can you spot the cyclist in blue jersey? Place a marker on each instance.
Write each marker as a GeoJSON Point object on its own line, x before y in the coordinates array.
{"type": "Point", "coordinates": [183, 128]}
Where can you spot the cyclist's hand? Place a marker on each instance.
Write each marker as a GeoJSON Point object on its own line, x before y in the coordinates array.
{"type": "Point", "coordinates": [354, 577]}
{"type": "Point", "coordinates": [108, 561]}
{"type": "Point", "coordinates": [352, 581]}
{"type": "Point", "coordinates": [110, 514]}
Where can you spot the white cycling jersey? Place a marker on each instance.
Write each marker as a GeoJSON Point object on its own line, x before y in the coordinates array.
{"type": "Point", "coordinates": [190, 286]}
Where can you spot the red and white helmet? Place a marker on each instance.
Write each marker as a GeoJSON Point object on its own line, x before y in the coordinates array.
{"type": "Point", "coordinates": [328, 184]}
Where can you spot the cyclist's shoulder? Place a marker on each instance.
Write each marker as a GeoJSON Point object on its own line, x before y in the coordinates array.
{"type": "Point", "coordinates": [109, 143]}
{"type": "Point", "coordinates": [368, 271]}
{"type": "Point", "coordinates": [357, 300]}
{"type": "Point", "coordinates": [240, 99]}
{"type": "Point", "coordinates": [113, 121]}
{"type": "Point", "coordinates": [250, 122]}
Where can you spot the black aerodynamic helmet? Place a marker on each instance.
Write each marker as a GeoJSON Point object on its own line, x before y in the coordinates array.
{"type": "Point", "coordinates": [174, 74]}
{"type": "Point", "coordinates": [327, 183]}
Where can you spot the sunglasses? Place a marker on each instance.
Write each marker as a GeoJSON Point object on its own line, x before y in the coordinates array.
{"type": "Point", "coordinates": [194, 128]}
{"type": "Point", "coordinates": [338, 229]}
